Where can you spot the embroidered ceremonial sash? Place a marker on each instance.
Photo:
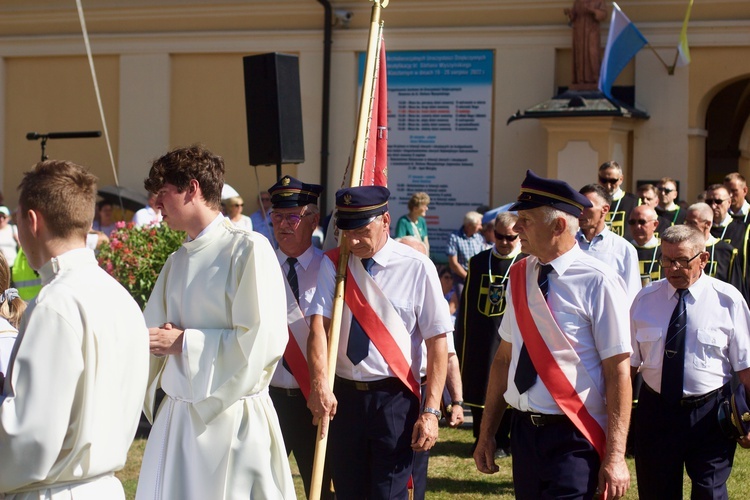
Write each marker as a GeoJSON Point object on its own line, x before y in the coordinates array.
{"type": "Point", "coordinates": [298, 331]}
{"type": "Point", "coordinates": [555, 360]}
{"type": "Point", "coordinates": [378, 319]}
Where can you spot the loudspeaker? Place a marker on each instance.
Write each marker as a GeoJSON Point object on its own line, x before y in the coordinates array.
{"type": "Point", "coordinates": [274, 109]}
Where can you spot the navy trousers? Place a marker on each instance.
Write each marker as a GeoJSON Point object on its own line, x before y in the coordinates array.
{"type": "Point", "coordinates": [671, 439]}
{"type": "Point", "coordinates": [552, 462]}
{"type": "Point", "coordinates": [370, 442]}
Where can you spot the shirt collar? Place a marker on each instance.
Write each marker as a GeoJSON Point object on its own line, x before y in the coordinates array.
{"type": "Point", "coordinates": [653, 242]}
{"type": "Point", "coordinates": [564, 261]}
{"type": "Point", "coordinates": [727, 219]}
{"type": "Point", "coordinates": [303, 260]}
{"type": "Point", "coordinates": [601, 235]}
{"type": "Point", "coordinates": [695, 290]}
{"type": "Point", "coordinates": [207, 229]}
{"type": "Point", "coordinates": [619, 193]}
{"type": "Point", "coordinates": [68, 260]}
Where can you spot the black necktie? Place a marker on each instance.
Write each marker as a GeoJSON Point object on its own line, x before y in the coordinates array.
{"type": "Point", "coordinates": [291, 277]}
{"type": "Point", "coordinates": [672, 370]}
{"type": "Point", "coordinates": [359, 342]}
{"type": "Point", "coordinates": [525, 372]}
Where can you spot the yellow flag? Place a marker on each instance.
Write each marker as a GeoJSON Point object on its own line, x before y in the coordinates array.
{"type": "Point", "coordinates": [683, 50]}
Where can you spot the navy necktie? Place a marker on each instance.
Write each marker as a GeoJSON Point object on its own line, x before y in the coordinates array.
{"type": "Point", "coordinates": [672, 370]}
{"type": "Point", "coordinates": [525, 372]}
{"type": "Point", "coordinates": [291, 277]}
{"type": "Point", "coordinates": [359, 342]}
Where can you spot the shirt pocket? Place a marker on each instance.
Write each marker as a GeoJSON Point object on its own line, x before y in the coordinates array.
{"type": "Point", "coordinates": [650, 345]}
{"type": "Point", "coordinates": [711, 350]}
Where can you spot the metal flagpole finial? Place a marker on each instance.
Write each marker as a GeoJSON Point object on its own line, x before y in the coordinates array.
{"type": "Point", "coordinates": [383, 3]}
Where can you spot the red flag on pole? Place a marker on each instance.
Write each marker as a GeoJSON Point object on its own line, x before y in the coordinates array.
{"type": "Point", "coordinates": [375, 168]}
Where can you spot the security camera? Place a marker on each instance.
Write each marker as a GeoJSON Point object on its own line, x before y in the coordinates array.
{"type": "Point", "coordinates": [342, 17]}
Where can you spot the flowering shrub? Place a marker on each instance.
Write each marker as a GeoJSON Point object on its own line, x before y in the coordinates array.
{"type": "Point", "coordinates": [135, 256]}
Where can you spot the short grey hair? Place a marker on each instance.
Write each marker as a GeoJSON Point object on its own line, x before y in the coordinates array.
{"type": "Point", "coordinates": [552, 214]}
{"type": "Point", "coordinates": [473, 218]}
{"type": "Point", "coordinates": [685, 234]}
{"type": "Point", "coordinates": [703, 210]}
{"type": "Point", "coordinates": [506, 219]}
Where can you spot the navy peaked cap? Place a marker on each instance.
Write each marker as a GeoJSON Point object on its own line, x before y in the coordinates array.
{"type": "Point", "coordinates": [358, 206]}
{"type": "Point", "coordinates": [539, 192]}
{"type": "Point", "coordinates": [289, 192]}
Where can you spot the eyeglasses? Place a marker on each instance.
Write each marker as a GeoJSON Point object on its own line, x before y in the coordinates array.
{"type": "Point", "coordinates": [640, 222]}
{"type": "Point", "coordinates": [506, 237]}
{"type": "Point", "coordinates": [292, 219]}
{"type": "Point", "coordinates": [666, 190]}
{"type": "Point", "coordinates": [715, 201]}
{"type": "Point", "coordinates": [668, 263]}
{"type": "Point", "coordinates": [604, 180]}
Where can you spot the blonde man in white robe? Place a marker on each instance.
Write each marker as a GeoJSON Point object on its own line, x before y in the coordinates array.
{"type": "Point", "coordinates": [73, 394]}
{"type": "Point", "coordinates": [214, 319]}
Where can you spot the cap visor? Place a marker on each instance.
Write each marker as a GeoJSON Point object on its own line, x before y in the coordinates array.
{"type": "Point", "coordinates": [347, 224]}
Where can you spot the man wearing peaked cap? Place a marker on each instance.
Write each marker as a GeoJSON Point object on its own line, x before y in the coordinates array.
{"type": "Point", "coordinates": [563, 350]}
{"type": "Point", "coordinates": [295, 215]}
{"type": "Point", "coordinates": [690, 336]}
{"type": "Point", "coordinates": [393, 302]}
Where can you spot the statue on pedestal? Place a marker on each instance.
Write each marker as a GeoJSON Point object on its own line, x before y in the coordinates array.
{"type": "Point", "coordinates": [584, 17]}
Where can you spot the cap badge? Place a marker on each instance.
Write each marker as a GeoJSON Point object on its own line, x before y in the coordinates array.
{"type": "Point", "coordinates": [347, 199]}
{"type": "Point", "coordinates": [285, 181]}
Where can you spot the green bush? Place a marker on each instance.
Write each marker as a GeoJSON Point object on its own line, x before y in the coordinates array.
{"type": "Point", "coordinates": [135, 256]}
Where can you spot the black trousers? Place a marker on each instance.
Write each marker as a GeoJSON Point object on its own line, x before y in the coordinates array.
{"type": "Point", "coordinates": [671, 439]}
{"type": "Point", "coordinates": [552, 462]}
{"type": "Point", "coordinates": [370, 442]}
{"type": "Point", "coordinates": [299, 436]}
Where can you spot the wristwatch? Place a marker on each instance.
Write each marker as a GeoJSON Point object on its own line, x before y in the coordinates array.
{"type": "Point", "coordinates": [435, 412]}
{"type": "Point", "coordinates": [457, 403]}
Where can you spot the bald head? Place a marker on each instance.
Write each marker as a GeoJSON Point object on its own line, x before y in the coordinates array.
{"type": "Point", "coordinates": [643, 222]}
{"type": "Point", "coordinates": [700, 216]}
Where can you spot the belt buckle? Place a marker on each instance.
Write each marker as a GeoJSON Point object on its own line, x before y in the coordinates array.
{"type": "Point", "coordinates": [537, 420]}
{"type": "Point", "coordinates": [361, 386]}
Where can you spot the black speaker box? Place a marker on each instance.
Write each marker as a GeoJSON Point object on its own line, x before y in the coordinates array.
{"type": "Point", "coordinates": [274, 109]}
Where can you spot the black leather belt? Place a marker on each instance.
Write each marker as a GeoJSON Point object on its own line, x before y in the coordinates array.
{"type": "Point", "coordinates": [691, 402]}
{"type": "Point", "coordinates": [373, 385]}
{"type": "Point", "coordinates": [285, 392]}
{"type": "Point", "coordinates": [542, 419]}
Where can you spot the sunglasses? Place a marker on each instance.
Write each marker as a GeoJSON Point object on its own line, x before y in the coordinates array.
{"type": "Point", "coordinates": [506, 237]}
{"type": "Point", "coordinates": [640, 222]}
{"type": "Point", "coordinates": [604, 180]}
{"type": "Point", "coordinates": [666, 190]}
{"type": "Point", "coordinates": [715, 201]}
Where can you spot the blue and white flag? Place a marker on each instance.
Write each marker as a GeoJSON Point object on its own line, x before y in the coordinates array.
{"type": "Point", "coordinates": [623, 43]}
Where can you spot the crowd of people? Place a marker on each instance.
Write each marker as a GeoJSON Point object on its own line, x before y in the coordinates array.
{"type": "Point", "coordinates": [615, 303]}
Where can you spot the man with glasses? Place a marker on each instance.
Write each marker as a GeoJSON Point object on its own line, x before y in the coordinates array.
{"type": "Point", "coordinates": [595, 238]}
{"type": "Point", "coordinates": [643, 223]}
{"type": "Point", "coordinates": [737, 187]}
{"type": "Point", "coordinates": [690, 334]}
{"type": "Point", "coordinates": [649, 195]}
{"type": "Point", "coordinates": [393, 302]}
{"type": "Point", "coordinates": [610, 178]}
{"type": "Point", "coordinates": [723, 259]}
{"type": "Point", "coordinates": [481, 312]}
{"type": "Point", "coordinates": [725, 227]}
{"type": "Point", "coordinates": [295, 215]}
{"type": "Point", "coordinates": [667, 207]}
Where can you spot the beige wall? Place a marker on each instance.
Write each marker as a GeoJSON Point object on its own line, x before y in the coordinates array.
{"type": "Point", "coordinates": [170, 73]}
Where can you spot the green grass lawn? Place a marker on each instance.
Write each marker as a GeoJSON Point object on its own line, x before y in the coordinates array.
{"type": "Point", "coordinates": [453, 476]}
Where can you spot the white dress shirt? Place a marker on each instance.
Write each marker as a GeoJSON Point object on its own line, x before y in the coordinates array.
{"type": "Point", "coordinates": [586, 299]}
{"type": "Point", "coordinates": [717, 338]}
{"type": "Point", "coordinates": [616, 252]}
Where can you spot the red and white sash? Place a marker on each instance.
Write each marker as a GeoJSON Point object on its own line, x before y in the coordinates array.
{"type": "Point", "coordinates": [296, 347]}
{"type": "Point", "coordinates": [379, 320]}
{"type": "Point", "coordinates": [555, 360]}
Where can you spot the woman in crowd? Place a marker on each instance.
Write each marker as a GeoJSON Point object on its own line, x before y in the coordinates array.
{"type": "Point", "coordinates": [413, 223]}
{"type": "Point", "coordinates": [233, 207]}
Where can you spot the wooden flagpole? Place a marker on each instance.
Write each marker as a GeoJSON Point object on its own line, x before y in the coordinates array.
{"type": "Point", "coordinates": [358, 160]}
